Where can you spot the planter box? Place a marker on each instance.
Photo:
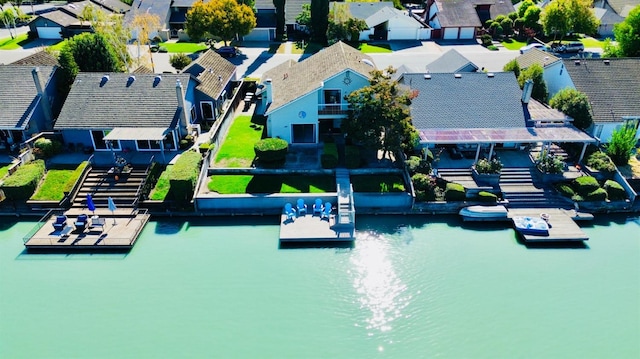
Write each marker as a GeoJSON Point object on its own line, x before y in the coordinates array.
{"type": "Point", "coordinates": [605, 206]}
{"type": "Point", "coordinates": [550, 177]}
{"type": "Point", "coordinates": [599, 175]}
{"type": "Point", "coordinates": [485, 179]}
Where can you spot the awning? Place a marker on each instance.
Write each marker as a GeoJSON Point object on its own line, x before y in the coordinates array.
{"type": "Point", "coordinates": [137, 133]}
{"type": "Point", "coordinates": [501, 135]}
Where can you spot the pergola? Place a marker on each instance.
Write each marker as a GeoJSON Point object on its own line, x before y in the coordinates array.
{"type": "Point", "coordinates": [491, 136]}
{"type": "Point", "coordinates": [137, 134]}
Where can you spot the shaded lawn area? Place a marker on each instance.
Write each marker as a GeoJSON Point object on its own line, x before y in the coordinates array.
{"type": "Point", "coordinates": [11, 44]}
{"type": "Point", "coordinates": [378, 183]}
{"type": "Point", "coordinates": [161, 189]}
{"type": "Point", "coordinates": [300, 47]}
{"type": "Point", "coordinates": [247, 184]}
{"type": "Point", "coordinates": [4, 169]}
{"type": "Point", "coordinates": [374, 49]}
{"type": "Point", "coordinates": [237, 149]}
{"type": "Point", "coordinates": [58, 45]}
{"type": "Point", "coordinates": [591, 42]}
{"type": "Point", "coordinates": [512, 44]}
{"type": "Point", "coordinates": [52, 189]}
{"type": "Point", "coordinates": [186, 47]}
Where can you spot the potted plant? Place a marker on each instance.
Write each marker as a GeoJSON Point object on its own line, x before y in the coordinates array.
{"type": "Point", "coordinates": [551, 167]}
{"type": "Point", "coordinates": [487, 172]}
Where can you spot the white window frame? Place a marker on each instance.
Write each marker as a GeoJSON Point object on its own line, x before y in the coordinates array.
{"type": "Point", "coordinates": [115, 144]}
{"type": "Point", "coordinates": [213, 110]}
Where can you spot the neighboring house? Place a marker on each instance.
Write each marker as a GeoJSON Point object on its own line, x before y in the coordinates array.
{"type": "Point", "coordinates": [305, 100]}
{"type": "Point", "coordinates": [27, 96]}
{"type": "Point", "coordinates": [66, 21]}
{"type": "Point", "coordinates": [551, 65]}
{"type": "Point", "coordinates": [40, 58]}
{"type": "Point", "coordinates": [266, 14]}
{"type": "Point", "coordinates": [612, 86]}
{"type": "Point", "coordinates": [386, 22]}
{"type": "Point", "coordinates": [118, 111]}
{"type": "Point", "coordinates": [461, 19]}
{"type": "Point", "coordinates": [453, 62]}
{"type": "Point", "coordinates": [162, 9]}
{"type": "Point", "coordinates": [607, 19]}
{"type": "Point", "coordinates": [620, 7]}
{"type": "Point", "coordinates": [217, 78]}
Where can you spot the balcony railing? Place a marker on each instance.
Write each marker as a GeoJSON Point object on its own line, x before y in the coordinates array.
{"type": "Point", "coordinates": [333, 109]}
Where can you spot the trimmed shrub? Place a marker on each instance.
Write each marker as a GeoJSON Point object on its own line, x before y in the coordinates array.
{"type": "Point", "coordinates": [454, 192]}
{"type": "Point", "coordinates": [484, 196]}
{"type": "Point", "coordinates": [179, 61]}
{"type": "Point", "coordinates": [271, 150]}
{"type": "Point", "coordinates": [565, 190]}
{"type": "Point", "coordinates": [417, 165]}
{"type": "Point", "coordinates": [45, 148]}
{"type": "Point", "coordinates": [550, 164]}
{"type": "Point", "coordinates": [486, 39]}
{"type": "Point", "coordinates": [492, 47]}
{"type": "Point", "coordinates": [23, 182]}
{"type": "Point", "coordinates": [421, 182]}
{"type": "Point", "coordinates": [585, 185]}
{"type": "Point", "coordinates": [601, 162]}
{"type": "Point", "coordinates": [615, 191]}
{"type": "Point", "coordinates": [204, 147]}
{"type": "Point", "coordinates": [484, 166]}
{"type": "Point", "coordinates": [328, 161]}
{"type": "Point", "coordinates": [598, 195]}
{"type": "Point", "coordinates": [183, 176]}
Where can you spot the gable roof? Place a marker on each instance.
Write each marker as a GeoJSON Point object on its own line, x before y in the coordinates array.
{"type": "Point", "coordinates": [450, 61]}
{"type": "Point", "coordinates": [612, 86]}
{"type": "Point", "coordinates": [61, 18]}
{"type": "Point", "coordinates": [213, 71]}
{"type": "Point", "coordinates": [148, 101]}
{"type": "Point", "coordinates": [606, 16]}
{"type": "Point", "coordinates": [622, 7]}
{"type": "Point", "coordinates": [292, 8]}
{"type": "Point", "coordinates": [75, 8]}
{"type": "Point", "coordinates": [535, 56]}
{"type": "Point", "coordinates": [362, 10]}
{"type": "Point", "coordinates": [462, 13]}
{"type": "Point", "coordinates": [18, 92]}
{"type": "Point", "coordinates": [116, 6]}
{"type": "Point", "coordinates": [388, 13]}
{"type": "Point", "coordinates": [156, 7]}
{"type": "Point", "coordinates": [463, 101]}
{"type": "Point", "coordinates": [544, 112]}
{"type": "Point", "coordinates": [40, 58]}
{"type": "Point", "coordinates": [292, 80]}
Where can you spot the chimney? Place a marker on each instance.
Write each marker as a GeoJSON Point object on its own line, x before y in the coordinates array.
{"type": "Point", "coordinates": [181, 106]}
{"type": "Point", "coordinates": [269, 91]}
{"type": "Point", "coordinates": [526, 91]}
{"type": "Point", "coordinates": [44, 99]}
{"type": "Point", "coordinates": [458, 76]}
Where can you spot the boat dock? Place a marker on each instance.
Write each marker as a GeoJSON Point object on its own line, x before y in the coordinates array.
{"type": "Point", "coordinates": [310, 229]}
{"type": "Point", "coordinates": [108, 232]}
{"type": "Point", "coordinates": [562, 223]}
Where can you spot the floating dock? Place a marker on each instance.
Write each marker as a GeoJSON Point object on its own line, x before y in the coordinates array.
{"type": "Point", "coordinates": [310, 229]}
{"type": "Point", "coordinates": [563, 227]}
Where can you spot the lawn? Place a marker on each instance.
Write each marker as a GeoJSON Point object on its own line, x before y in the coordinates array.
{"type": "Point", "coordinates": [241, 184]}
{"type": "Point", "coordinates": [11, 44]}
{"type": "Point", "coordinates": [184, 47]}
{"type": "Point", "coordinates": [374, 49]}
{"type": "Point", "coordinates": [237, 149]}
{"type": "Point", "coordinates": [300, 47]}
{"type": "Point", "coordinates": [162, 186]}
{"type": "Point", "coordinates": [4, 169]}
{"type": "Point", "coordinates": [58, 45]}
{"type": "Point", "coordinates": [52, 189]}
{"type": "Point", "coordinates": [591, 42]}
{"type": "Point", "coordinates": [512, 44]}
{"type": "Point", "coordinates": [378, 183]}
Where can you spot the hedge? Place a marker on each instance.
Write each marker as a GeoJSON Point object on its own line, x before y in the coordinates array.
{"type": "Point", "coordinates": [352, 157]}
{"type": "Point", "coordinates": [614, 190]}
{"type": "Point", "coordinates": [454, 192]}
{"type": "Point", "coordinates": [585, 184]}
{"type": "Point", "coordinates": [74, 177]}
{"type": "Point", "coordinates": [598, 195]}
{"type": "Point", "coordinates": [328, 161]}
{"type": "Point", "coordinates": [601, 162]}
{"type": "Point", "coordinates": [484, 196]}
{"type": "Point", "coordinates": [183, 176]}
{"type": "Point", "coordinates": [565, 190]}
{"type": "Point", "coordinates": [271, 149]}
{"type": "Point", "coordinates": [23, 182]}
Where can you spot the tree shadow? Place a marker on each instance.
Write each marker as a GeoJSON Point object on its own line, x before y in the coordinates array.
{"type": "Point", "coordinates": [259, 61]}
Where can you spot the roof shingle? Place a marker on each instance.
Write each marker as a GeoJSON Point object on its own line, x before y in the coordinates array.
{"type": "Point", "coordinates": [18, 92]}
{"type": "Point", "coordinates": [213, 71]}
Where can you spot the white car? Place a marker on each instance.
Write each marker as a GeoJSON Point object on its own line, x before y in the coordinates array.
{"type": "Point", "coordinates": [534, 45]}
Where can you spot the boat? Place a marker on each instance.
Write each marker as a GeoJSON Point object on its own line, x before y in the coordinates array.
{"type": "Point", "coordinates": [531, 225]}
{"type": "Point", "coordinates": [484, 213]}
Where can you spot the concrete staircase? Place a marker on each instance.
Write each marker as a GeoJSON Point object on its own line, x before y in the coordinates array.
{"type": "Point", "coordinates": [458, 175]}
{"type": "Point", "coordinates": [345, 220]}
{"type": "Point", "coordinates": [102, 185]}
{"type": "Point", "coordinates": [522, 191]}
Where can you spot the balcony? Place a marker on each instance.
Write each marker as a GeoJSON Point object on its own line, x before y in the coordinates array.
{"type": "Point", "coordinates": [333, 109]}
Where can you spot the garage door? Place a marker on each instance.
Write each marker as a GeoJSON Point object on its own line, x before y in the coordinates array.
{"type": "Point", "coordinates": [402, 33]}
{"type": "Point", "coordinates": [49, 32]}
{"type": "Point", "coordinates": [466, 33]}
{"type": "Point", "coordinates": [450, 33]}
{"type": "Point", "coordinates": [258, 35]}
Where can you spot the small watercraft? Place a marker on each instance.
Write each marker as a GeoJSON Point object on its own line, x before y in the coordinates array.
{"type": "Point", "coordinates": [531, 225]}
{"type": "Point", "coordinates": [484, 213]}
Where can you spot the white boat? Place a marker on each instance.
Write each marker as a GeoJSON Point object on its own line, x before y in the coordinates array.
{"type": "Point", "coordinates": [531, 225]}
{"type": "Point", "coordinates": [484, 213]}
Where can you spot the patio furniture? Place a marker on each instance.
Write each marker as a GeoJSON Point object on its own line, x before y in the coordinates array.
{"type": "Point", "coordinates": [302, 207]}
{"type": "Point", "coordinates": [81, 222]}
{"type": "Point", "coordinates": [60, 223]}
{"type": "Point", "coordinates": [289, 212]}
{"type": "Point", "coordinates": [326, 212]}
{"type": "Point", "coordinates": [96, 221]}
{"type": "Point", "coordinates": [318, 207]}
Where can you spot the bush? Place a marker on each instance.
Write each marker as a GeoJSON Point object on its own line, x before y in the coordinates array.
{"type": "Point", "coordinates": [328, 161]}
{"type": "Point", "coordinates": [352, 157]}
{"type": "Point", "coordinates": [486, 39]}
{"type": "Point", "coordinates": [162, 49]}
{"type": "Point", "coordinates": [485, 166]}
{"type": "Point", "coordinates": [492, 47]}
{"type": "Point", "coordinates": [183, 176]}
{"type": "Point", "coordinates": [454, 192]}
{"type": "Point", "coordinates": [45, 148]}
{"type": "Point", "coordinates": [179, 61]}
{"type": "Point", "coordinates": [550, 164]}
{"type": "Point", "coordinates": [622, 143]}
{"type": "Point", "coordinates": [74, 177]}
{"type": "Point", "coordinates": [271, 150]}
{"type": "Point", "coordinates": [598, 195]}
{"type": "Point", "coordinates": [484, 196]}
{"type": "Point", "coordinates": [24, 181]}
{"type": "Point", "coordinates": [204, 147]}
{"type": "Point", "coordinates": [601, 162]}
{"type": "Point", "coordinates": [615, 192]}
{"type": "Point", "coordinates": [585, 184]}
{"type": "Point", "coordinates": [421, 182]}
{"type": "Point", "coordinates": [565, 190]}
{"type": "Point", "coordinates": [416, 164]}
{"type": "Point", "coordinates": [427, 155]}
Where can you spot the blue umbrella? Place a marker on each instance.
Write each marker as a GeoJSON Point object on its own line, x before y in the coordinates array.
{"type": "Point", "coordinates": [90, 205]}
{"type": "Point", "coordinates": [112, 208]}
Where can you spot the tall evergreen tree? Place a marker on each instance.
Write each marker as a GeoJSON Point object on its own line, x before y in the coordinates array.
{"type": "Point", "coordinates": [280, 19]}
{"type": "Point", "coordinates": [319, 20]}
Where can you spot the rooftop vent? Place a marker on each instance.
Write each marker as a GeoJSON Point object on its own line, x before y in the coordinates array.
{"type": "Point", "coordinates": [491, 74]}
{"type": "Point", "coordinates": [427, 76]}
{"type": "Point", "coordinates": [210, 70]}
{"type": "Point", "coordinates": [156, 80]}
{"type": "Point", "coordinates": [368, 62]}
{"type": "Point", "coordinates": [458, 76]}
{"type": "Point", "coordinates": [219, 78]}
{"type": "Point", "coordinates": [104, 80]}
{"type": "Point", "coordinates": [285, 76]}
{"type": "Point", "coordinates": [577, 62]}
{"type": "Point", "coordinates": [607, 62]}
{"type": "Point", "coordinates": [130, 80]}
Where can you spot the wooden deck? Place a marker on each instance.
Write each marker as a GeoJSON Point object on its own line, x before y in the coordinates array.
{"type": "Point", "coordinates": [311, 229]}
{"type": "Point", "coordinates": [119, 232]}
{"type": "Point", "coordinates": [562, 223]}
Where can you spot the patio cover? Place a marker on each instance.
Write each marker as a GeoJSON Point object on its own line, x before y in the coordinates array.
{"type": "Point", "coordinates": [500, 135]}
{"type": "Point", "coordinates": [136, 133]}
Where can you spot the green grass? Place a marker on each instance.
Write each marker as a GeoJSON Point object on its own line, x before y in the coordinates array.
{"type": "Point", "coordinates": [52, 187]}
{"type": "Point", "coordinates": [374, 49]}
{"type": "Point", "coordinates": [512, 44]}
{"type": "Point", "coordinates": [161, 189]}
{"type": "Point", "coordinates": [4, 169]}
{"type": "Point", "coordinates": [378, 183]}
{"type": "Point", "coordinates": [58, 45]}
{"type": "Point", "coordinates": [11, 44]}
{"type": "Point", "coordinates": [185, 47]}
{"type": "Point", "coordinates": [237, 149]}
{"type": "Point", "coordinates": [305, 48]}
{"type": "Point", "coordinates": [591, 42]}
{"type": "Point", "coordinates": [241, 184]}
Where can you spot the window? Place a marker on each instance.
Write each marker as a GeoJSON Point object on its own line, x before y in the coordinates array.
{"type": "Point", "coordinates": [97, 136]}
{"type": "Point", "coordinates": [206, 108]}
{"type": "Point", "coordinates": [332, 96]}
{"type": "Point", "coordinates": [194, 115]}
{"type": "Point", "coordinates": [305, 133]}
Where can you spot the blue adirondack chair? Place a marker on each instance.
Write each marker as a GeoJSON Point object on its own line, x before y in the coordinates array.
{"type": "Point", "coordinates": [318, 207]}
{"type": "Point", "coordinates": [302, 207]}
{"type": "Point", "coordinates": [289, 212]}
{"type": "Point", "coordinates": [326, 212]}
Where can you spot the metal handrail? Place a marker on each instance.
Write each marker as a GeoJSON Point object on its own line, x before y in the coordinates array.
{"type": "Point", "coordinates": [37, 226]}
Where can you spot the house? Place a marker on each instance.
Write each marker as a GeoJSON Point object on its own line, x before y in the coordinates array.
{"type": "Point", "coordinates": [27, 99]}
{"type": "Point", "coordinates": [451, 61]}
{"type": "Point", "coordinates": [607, 19]}
{"type": "Point", "coordinates": [460, 19]}
{"type": "Point", "coordinates": [123, 112]}
{"type": "Point", "coordinates": [386, 22]}
{"type": "Point", "coordinates": [612, 86]}
{"type": "Point", "coordinates": [66, 21]}
{"type": "Point", "coordinates": [549, 63]}
{"type": "Point", "coordinates": [217, 78]}
{"type": "Point", "coordinates": [160, 8]}
{"type": "Point", "coordinates": [304, 100]}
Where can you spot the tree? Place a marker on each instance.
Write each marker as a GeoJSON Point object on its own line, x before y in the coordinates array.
{"type": "Point", "coordinates": [179, 61]}
{"type": "Point", "coordinates": [319, 20]}
{"type": "Point", "coordinates": [574, 104]}
{"type": "Point", "coordinates": [628, 34]}
{"type": "Point", "coordinates": [8, 19]}
{"type": "Point", "coordinates": [113, 31]}
{"type": "Point", "coordinates": [512, 66]}
{"type": "Point", "coordinates": [93, 53]}
{"type": "Point", "coordinates": [280, 19]}
{"type": "Point", "coordinates": [564, 16]}
{"type": "Point", "coordinates": [623, 141]}
{"type": "Point", "coordinates": [224, 19]}
{"type": "Point", "coordinates": [342, 26]}
{"type": "Point", "coordinates": [145, 24]}
{"type": "Point", "coordinates": [68, 70]}
{"type": "Point", "coordinates": [380, 119]}
{"type": "Point", "coordinates": [535, 72]}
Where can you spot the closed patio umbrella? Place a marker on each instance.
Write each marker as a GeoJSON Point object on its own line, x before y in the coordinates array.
{"type": "Point", "coordinates": [90, 205]}
{"type": "Point", "coordinates": [112, 208]}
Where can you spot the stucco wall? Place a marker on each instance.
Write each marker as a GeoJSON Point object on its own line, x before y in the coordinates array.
{"type": "Point", "coordinates": [557, 78]}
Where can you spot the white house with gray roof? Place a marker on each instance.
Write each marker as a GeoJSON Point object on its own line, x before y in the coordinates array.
{"type": "Point", "coordinates": [551, 65]}
{"type": "Point", "coordinates": [304, 100]}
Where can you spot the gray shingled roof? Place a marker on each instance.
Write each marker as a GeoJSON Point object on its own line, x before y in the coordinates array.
{"type": "Point", "coordinates": [540, 111]}
{"type": "Point", "coordinates": [475, 100]}
{"type": "Point", "coordinates": [145, 102]}
{"type": "Point", "coordinates": [535, 56]}
{"type": "Point", "coordinates": [450, 61]}
{"type": "Point", "coordinates": [362, 10]}
{"type": "Point", "coordinates": [622, 7]}
{"type": "Point", "coordinates": [155, 7]}
{"type": "Point", "coordinates": [40, 58]}
{"type": "Point", "coordinates": [613, 88]}
{"type": "Point", "coordinates": [213, 71]}
{"type": "Point", "coordinates": [455, 13]}
{"type": "Point", "coordinates": [116, 6]}
{"type": "Point", "coordinates": [292, 80]}
{"type": "Point", "coordinates": [61, 18]}
{"type": "Point", "coordinates": [75, 8]}
{"type": "Point", "coordinates": [18, 92]}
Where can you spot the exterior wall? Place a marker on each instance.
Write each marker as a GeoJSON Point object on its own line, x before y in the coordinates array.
{"type": "Point", "coordinates": [603, 131]}
{"type": "Point", "coordinates": [435, 23]}
{"type": "Point", "coordinates": [467, 32]}
{"type": "Point", "coordinates": [403, 28]}
{"type": "Point", "coordinates": [424, 34]}
{"type": "Point", "coordinates": [450, 33]}
{"type": "Point", "coordinates": [433, 9]}
{"type": "Point", "coordinates": [364, 35]}
{"type": "Point", "coordinates": [77, 136]}
{"type": "Point", "coordinates": [259, 34]}
{"type": "Point", "coordinates": [557, 78]}
{"type": "Point", "coordinates": [302, 111]}
{"type": "Point", "coordinates": [42, 22]}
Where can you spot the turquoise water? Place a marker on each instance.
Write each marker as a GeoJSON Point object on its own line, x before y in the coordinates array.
{"type": "Point", "coordinates": [409, 288]}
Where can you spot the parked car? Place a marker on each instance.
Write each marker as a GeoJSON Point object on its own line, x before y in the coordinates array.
{"type": "Point", "coordinates": [535, 45]}
{"type": "Point", "coordinates": [228, 51]}
{"type": "Point", "coordinates": [571, 47]}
